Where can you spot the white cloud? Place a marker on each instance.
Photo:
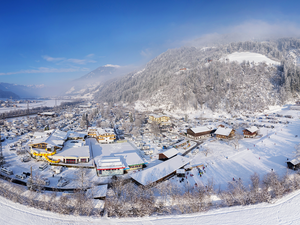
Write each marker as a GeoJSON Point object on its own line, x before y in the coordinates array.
{"type": "Point", "coordinates": [47, 70]}
{"type": "Point", "coordinates": [146, 53]}
{"type": "Point", "coordinates": [90, 55]}
{"type": "Point", "coordinates": [65, 60]}
{"type": "Point", "coordinates": [248, 30]}
{"type": "Point", "coordinates": [51, 59]}
{"type": "Point", "coordinates": [81, 61]}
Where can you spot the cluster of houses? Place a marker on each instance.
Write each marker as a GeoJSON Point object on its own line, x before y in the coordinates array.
{"type": "Point", "coordinates": [221, 132]}
{"type": "Point", "coordinates": [59, 147]}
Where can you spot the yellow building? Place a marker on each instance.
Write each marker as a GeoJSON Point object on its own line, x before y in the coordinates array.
{"type": "Point", "coordinates": [161, 119]}
{"type": "Point", "coordinates": [106, 135]}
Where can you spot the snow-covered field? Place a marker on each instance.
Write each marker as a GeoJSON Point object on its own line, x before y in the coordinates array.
{"type": "Point", "coordinates": [251, 57]}
{"type": "Point", "coordinates": [43, 103]}
{"type": "Point", "coordinates": [284, 211]}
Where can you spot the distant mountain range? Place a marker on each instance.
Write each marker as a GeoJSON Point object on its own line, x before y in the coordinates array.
{"type": "Point", "coordinates": [17, 91]}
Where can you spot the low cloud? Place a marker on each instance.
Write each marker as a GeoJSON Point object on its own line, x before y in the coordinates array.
{"type": "Point", "coordinates": [255, 30]}
{"type": "Point", "coordinates": [74, 61]}
{"type": "Point", "coordinates": [146, 53]}
{"type": "Point", "coordinates": [47, 70]}
{"type": "Point", "coordinates": [81, 61]}
{"type": "Point", "coordinates": [51, 59]}
{"type": "Point", "coordinates": [90, 55]}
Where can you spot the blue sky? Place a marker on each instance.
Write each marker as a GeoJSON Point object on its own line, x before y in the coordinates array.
{"type": "Point", "coordinates": [47, 42]}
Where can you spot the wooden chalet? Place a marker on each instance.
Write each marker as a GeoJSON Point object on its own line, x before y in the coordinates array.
{"type": "Point", "coordinates": [293, 164]}
{"type": "Point", "coordinates": [200, 132]}
{"type": "Point", "coordinates": [168, 154]}
{"type": "Point", "coordinates": [224, 133]}
{"type": "Point", "coordinates": [250, 132]}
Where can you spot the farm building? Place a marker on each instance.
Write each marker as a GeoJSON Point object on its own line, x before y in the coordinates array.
{"type": "Point", "coordinates": [168, 154]}
{"type": "Point", "coordinates": [132, 160]}
{"type": "Point", "coordinates": [250, 132]}
{"type": "Point", "coordinates": [293, 164]}
{"type": "Point", "coordinates": [224, 133]}
{"type": "Point", "coordinates": [200, 132]}
{"type": "Point", "coordinates": [160, 172]}
{"type": "Point", "coordinates": [109, 166]}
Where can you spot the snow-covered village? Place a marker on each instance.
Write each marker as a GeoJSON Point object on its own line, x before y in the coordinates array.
{"type": "Point", "coordinates": [149, 112]}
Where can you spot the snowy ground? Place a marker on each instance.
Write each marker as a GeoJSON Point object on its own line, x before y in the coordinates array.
{"type": "Point", "coordinates": [251, 57]}
{"type": "Point", "coordinates": [42, 103]}
{"type": "Point", "coordinates": [284, 211]}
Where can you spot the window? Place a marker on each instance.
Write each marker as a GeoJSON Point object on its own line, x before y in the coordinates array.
{"type": "Point", "coordinates": [71, 161]}
{"type": "Point", "coordinates": [83, 160]}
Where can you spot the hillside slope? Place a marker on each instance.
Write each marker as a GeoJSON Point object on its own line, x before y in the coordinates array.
{"type": "Point", "coordinates": [189, 77]}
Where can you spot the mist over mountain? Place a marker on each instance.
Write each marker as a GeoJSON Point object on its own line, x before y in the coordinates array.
{"type": "Point", "coordinates": [23, 91]}
{"type": "Point", "coordinates": [85, 85]}
{"type": "Point", "coordinates": [8, 94]}
{"type": "Point", "coordinates": [193, 77]}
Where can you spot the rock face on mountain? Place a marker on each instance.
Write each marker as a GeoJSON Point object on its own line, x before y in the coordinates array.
{"type": "Point", "coordinates": [215, 77]}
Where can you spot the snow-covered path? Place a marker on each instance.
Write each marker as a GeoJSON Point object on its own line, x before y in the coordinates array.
{"type": "Point", "coordinates": [284, 211]}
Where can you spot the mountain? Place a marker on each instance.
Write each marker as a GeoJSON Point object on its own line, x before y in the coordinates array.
{"type": "Point", "coordinates": [240, 76]}
{"type": "Point", "coordinates": [23, 91]}
{"type": "Point", "coordinates": [8, 94]}
{"type": "Point", "coordinates": [85, 85]}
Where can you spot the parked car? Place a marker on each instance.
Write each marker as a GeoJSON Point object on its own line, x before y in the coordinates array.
{"type": "Point", "coordinates": [25, 159]}
{"type": "Point", "coordinates": [21, 176]}
{"type": "Point", "coordinates": [7, 171]}
{"type": "Point", "coordinates": [62, 182]}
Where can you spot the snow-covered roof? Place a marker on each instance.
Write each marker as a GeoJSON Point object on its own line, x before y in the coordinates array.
{"type": "Point", "coordinates": [202, 129]}
{"type": "Point", "coordinates": [97, 191]}
{"type": "Point", "coordinates": [109, 163]}
{"type": "Point", "coordinates": [252, 129]}
{"type": "Point", "coordinates": [74, 143]}
{"type": "Point", "coordinates": [295, 161]}
{"type": "Point", "coordinates": [57, 138]}
{"type": "Point", "coordinates": [157, 116]}
{"type": "Point", "coordinates": [101, 131]}
{"type": "Point", "coordinates": [131, 158]}
{"type": "Point", "coordinates": [40, 134]}
{"type": "Point", "coordinates": [225, 131]}
{"type": "Point", "coordinates": [170, 152]}
{"type": "Point", "coordinates": [180, 171]}
{"type": "Point", "coordinates": [160, 171]}
{"type": "Point", "coordinates": [83, 151]}
{"type": "Point", "coordinates": [73, 134]}
{"type": "Point", "coordinates": [38, 140]}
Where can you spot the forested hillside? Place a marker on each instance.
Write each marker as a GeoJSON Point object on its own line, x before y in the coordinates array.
{"type": "Point", "coordinates": [190, 77]}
